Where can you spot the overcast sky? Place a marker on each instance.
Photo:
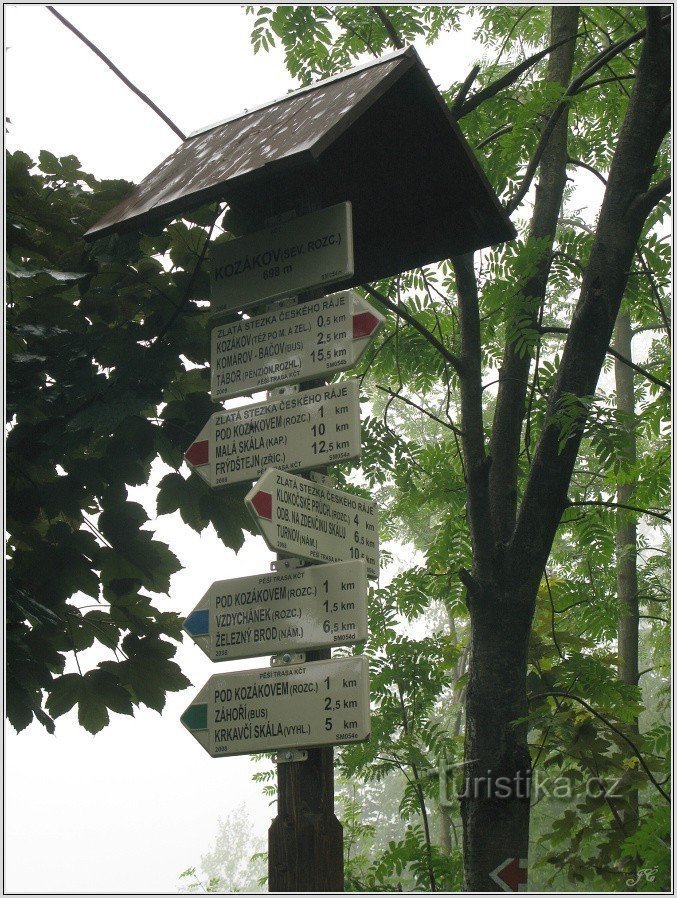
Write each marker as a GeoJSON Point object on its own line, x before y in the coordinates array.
{"type": "Point", "coordinates": [129, 809]}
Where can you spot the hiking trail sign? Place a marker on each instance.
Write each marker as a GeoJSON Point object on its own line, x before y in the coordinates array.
{"type": "Point", "coordinates": [297, 609]}
{"type": "Point", "coordinates": [296, 432]}
{"type": "Point", "coordinates": [273, 708]}
{"type": "Point", "coordinates": [309, 251]}
{"type": "Point", "coordinates": [314, 521]}
{"type": "Point", "coordinates": [287, 346]}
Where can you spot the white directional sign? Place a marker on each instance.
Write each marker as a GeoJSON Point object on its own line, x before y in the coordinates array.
{"type": "Point", "coordinates": [287, 346]}
{"type": "Point", "coordinates": [295, 706]}
{"type": "Point", "coordinates": [299, 609]}
{"type": "Point", "coordinates": [310, 520]}
{"type": "Point", "coordinates": [294, 433]}
{"type": "Point", "coordinates": [309, 251]}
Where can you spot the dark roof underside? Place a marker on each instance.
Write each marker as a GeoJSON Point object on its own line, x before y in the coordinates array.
{"type": "Point", "coordinates": [380, 136]}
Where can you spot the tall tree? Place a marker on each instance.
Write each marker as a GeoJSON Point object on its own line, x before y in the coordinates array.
{"type": "Point", "coordinates": [603, 93]}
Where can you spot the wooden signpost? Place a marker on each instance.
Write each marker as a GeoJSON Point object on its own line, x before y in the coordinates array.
{"type": "Point", "coordinates": [288, 707]}
{"type": "Point", "coordinates": [307, 701]}
{"type": "Point", "coordinates": [290, 345]}
{"type": "Point", "coordinates": [309, 251]}
{"type": "Point", "coordinates": [295, 433]}
{"type": "Point", "coordinates": [312, 520]}
{"type": "Point", "coordinates": [296, 609]}
{"type": "Point", "coordinates": [327, 145]}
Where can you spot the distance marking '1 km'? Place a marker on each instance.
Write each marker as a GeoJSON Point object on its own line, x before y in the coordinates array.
{"type": "Point", "coordinates": [287, 346]}
{"type": "Point", "coordinates": [294, 433]}
{"type": "Point", "coordinates": [310, 520]}
{"type": "Point", "coordinates": [309, 251]}
{"type": "Point", "coordinates": [294, 706]}
{"type": "Point", "coordinates": [298, 609]}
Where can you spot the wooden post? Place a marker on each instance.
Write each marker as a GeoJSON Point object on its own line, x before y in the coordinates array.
{"type": "Point", "coordinates": [305, 840]}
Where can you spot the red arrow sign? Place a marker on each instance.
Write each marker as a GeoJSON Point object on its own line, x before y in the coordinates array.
{"type": "Point", "coordinates": [364, 324]}
{"type": "Point", "coordinates": [511, 875]}
{"type": "Point", "coordinates": [263, 503]}
{"type": "Point", "coordinates": [198, 453]}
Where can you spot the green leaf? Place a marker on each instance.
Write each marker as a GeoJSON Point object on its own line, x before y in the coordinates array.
{"type": "Point", "coordinates": [65, 692]}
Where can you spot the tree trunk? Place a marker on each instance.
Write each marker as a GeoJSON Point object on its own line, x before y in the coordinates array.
{"type": "Point", "coordinates": [495, 796]}
{"type": "Point", "coordinates": [626, 549]}
{"type": "Point", "coordinates": [495, 793]}
{"type": "Point", "coordinates": [502, 588]}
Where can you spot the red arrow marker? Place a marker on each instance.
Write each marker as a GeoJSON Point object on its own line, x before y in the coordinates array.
{"type": "Point", "coordinates": [263, 504]}
{"type": "Point", "coordinates": [198, 453]}
{"type": "Point", "coordinates": [511, 875]}
{"type": "Point", "coordinates": [364, 324]}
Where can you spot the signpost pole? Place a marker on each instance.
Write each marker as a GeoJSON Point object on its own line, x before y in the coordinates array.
{"type": "Point", "coordinates": [305, 839]}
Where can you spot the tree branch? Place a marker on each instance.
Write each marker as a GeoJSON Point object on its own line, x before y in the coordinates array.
{"type": "Point", "coordinates": [510, 412]}
{"type": "Point", "coordinates": [419, 408]}
{"type": "Point", "coordinates": [616, 240]}
{"type": "Point", "coordinates": [459, 99]}
{"type": "Point", "coordinates": [401, 312]}
{"type": "Point", "coordinates": [395, 39]}
{"type": "Point", "coordinates": [645, 203]}
{"type": "Point", "coordinates": [601, 81]}
{"type": "Point", "coordinates": [348, 27]}
{"type": "Point", "coordinates": [613, 352]}
{"type": "Point", "coordinates": [656, 294]}
{"type": "Point", "coordinates": [606, 722]}
{"type": "Point", "coordinates": [499, 132]}
{"type": "Point", "coordinates": [464, 107]}
{"type": "Point", "coordinates": [477, 464]}
{"type": "Point", "coordinates": [580, 164]}
{"type": "Point", "coordinates": [116, 71]}
{"type": "Point", "coordinates": [599, 62]}
{"type": "Point", "coordinates": [662, 515]}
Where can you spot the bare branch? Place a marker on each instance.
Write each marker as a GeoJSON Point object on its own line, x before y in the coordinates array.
{"type": "Point", "coordinates": [419, 408]}
{"type": "Point", "coordinates": [146, 99]}
{"type": "Point", "coordinates": [499, 132]}
{"type": "Point", "coordinates": [580, 164]}
{"type": "Point", "coordinates": [601, 81]}
{"type": "Point", "coordinates": [459, 99]}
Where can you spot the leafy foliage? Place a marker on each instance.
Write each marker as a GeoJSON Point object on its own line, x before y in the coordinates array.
{"type": "Point", "coordinates": [103, 341]}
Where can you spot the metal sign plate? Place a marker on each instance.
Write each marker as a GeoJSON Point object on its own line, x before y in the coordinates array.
{"type": "Point", "coordinates": [293, 433]}
{"type": "Point", "coordinates": [314, 521]}
{"type": "Point", "coordinates": [309, 251]}
{"type": "Point", "coordinates": [287, 346]}
{"type": "Point", "coordinates": [294, 706]}
{"type": "Point", "coordinates": [301, 609]}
